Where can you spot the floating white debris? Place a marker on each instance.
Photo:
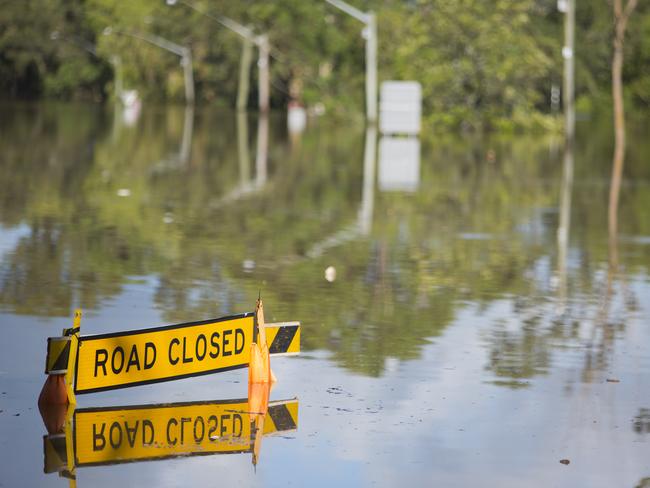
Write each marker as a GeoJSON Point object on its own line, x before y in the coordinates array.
{"type": "Point", "coordinates": [248, 265]}
{"type": "Point", "coordinates": [330, 273]}
{"type": "Point", "coordinates": [123, 192]}
{"type": "Point", "coordinates": [168, 218]}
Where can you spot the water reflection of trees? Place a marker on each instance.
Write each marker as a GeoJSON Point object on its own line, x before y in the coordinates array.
{"type": "Point", "coordinates": [525, 351]}
{"type": "Point", "coordinates": [476, 232]}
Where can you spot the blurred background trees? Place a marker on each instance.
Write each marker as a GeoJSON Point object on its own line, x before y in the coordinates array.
{"type": "Point", "coordinates": [481, 64]}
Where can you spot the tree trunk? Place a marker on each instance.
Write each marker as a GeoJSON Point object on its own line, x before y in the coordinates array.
{"type": "Point", "coordinates": [621, 17]}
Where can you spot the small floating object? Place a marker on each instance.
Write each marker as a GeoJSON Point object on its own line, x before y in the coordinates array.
{"type": "Point", "coordinates": [330, 273]}
{"type": "Point", "coordinates": [123, 192]}
{"type": "Point", "coordinates": [565, 461]}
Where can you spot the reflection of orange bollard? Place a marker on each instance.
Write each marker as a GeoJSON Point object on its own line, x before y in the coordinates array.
{"type": "Point", "coordinates": [258, 398]}
{"type": "Point", "coordinates": [258, 406]}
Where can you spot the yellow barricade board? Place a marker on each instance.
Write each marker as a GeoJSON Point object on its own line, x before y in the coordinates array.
{"type": "Point", "coordinates": [58, 355]}
{"type": "Point", "coordinates": [115, 360]}
{"type": "Point", "coordinates": [283, 339]}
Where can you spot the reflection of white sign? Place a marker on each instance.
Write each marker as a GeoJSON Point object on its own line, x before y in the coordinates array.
{"type": "Point", "coordinates": [400, 107]}
{"type": "Point", "coordinates": [399, 164]}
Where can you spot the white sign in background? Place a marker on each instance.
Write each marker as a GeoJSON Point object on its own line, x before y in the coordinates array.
{"type": "Point", "coordinates": [400, 107]}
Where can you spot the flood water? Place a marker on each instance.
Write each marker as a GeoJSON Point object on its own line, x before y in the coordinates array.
{"type": "Point", "coordinates": [465, 320]}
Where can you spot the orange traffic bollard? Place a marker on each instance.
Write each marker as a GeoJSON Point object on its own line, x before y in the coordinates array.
{"type": "Point", "coordinates": [54, 391]}
{"type": "Point", "coordinates": [58, 388]}
{"type": "Point", "coordinates": [259, 369]}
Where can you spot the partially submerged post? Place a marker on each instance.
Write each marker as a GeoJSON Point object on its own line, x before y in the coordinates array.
{"type": "Point", "coordinates": [371, 66]}
{"type": "Point", "coordinates": [621, 16]}
{"type": "Point", "coordinates": [244, 74]}
{"type": "Point", "coordinates": [188, 75]}
{"type": "Point", "coordinates": [568, 7]}
{"type": "Point", "coordinates": [116, 61]}
{"type": "Point", "coordinates": [370, 35]}
{"type": "Point", "coordinates": [264, 75]}
{"type": "Point", "coordinates": [183, 52]}
{"type": "Point", "coordinates": [248, 36]}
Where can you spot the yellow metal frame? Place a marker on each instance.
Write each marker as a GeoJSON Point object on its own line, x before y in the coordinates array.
{"type": "Point", "coordinates": [72, 361]}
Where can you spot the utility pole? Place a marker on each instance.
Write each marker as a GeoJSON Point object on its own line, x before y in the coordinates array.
{"type": "Point", "coordinates": [248, 36]}
{"type": "Point", "coordinates": [183, 52]}
{"type": "Point", "coordinates": [244, 74]}
{"type": "Point", "coordinates": [116, 61]}
{"type": "Point", "coordinates": [370, 35]}
{"type": "Point", "coordinates": [264, 75]}
{"type": "Point", "coordinates": [87, 46]}
{"type": "Point", "coordinates": [568, 7]}
{"type": "Point", "coordinates": [371, 67]}
{"type": "Point", "coordinates": [621, 16]}
{"type": "Point", "coordinates": [188, 75]}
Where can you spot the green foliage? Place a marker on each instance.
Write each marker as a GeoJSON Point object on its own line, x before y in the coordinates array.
{"type": "Point", "coordinates": [478, 64]}
{"type": "Point", "coordinates": [482, 64]}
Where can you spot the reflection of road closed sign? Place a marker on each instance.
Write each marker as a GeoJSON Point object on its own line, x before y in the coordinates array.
{"type": "Point", "coordinates": [99, 436]}
{"type": "Point", "coordinates": [131, 434]}
{"type": "Point", "coordinates": [115, 360]}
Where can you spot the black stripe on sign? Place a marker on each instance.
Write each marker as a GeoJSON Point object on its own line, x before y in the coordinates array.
{"type": "Point", "coordinates": [281, 418]}
{"type": "Point", "coordinates": [283, 339]}
{"type": "Point", "coordinates": [62, 361]}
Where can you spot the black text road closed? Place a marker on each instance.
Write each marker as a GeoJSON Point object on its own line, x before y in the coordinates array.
{"type": "Point", "coordinates": [117, 360]}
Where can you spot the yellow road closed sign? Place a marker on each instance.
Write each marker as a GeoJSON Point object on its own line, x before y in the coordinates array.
{"type": "Point", "coordinates": [116, 360]}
